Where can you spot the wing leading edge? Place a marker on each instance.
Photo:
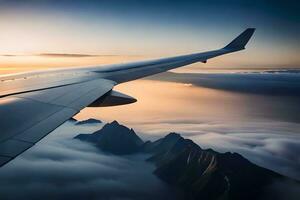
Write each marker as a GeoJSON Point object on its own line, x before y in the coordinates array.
{"type": "Point", "coordinates": [132, 71]}
{"type": "Point", "coordinates": [34, 104]}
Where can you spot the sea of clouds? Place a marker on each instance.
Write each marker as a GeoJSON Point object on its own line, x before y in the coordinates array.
{"type": "Point", "coordinates": [60, 167]}
{"type": "Point", "coordinates": [270, 137]}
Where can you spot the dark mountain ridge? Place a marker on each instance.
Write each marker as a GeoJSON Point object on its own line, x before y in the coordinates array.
{"type": "Point", "coordinates": [201, 174]}
{"type": "Point", "coordinates": [114, 138]}
{"type": "Point", "coordinates": [88, 121]}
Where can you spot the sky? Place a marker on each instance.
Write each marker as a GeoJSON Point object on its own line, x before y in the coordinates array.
{"type": "Point", "coordinates": [135, 30]}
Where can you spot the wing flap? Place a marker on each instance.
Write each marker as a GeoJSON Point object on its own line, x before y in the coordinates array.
{"type": "Point", "coordinates": [18, 115]}
{"type": "Point", "coordinates": [11, 148]}
{"type": "Point", "coordinates": [27, 118]}
{"type": "Point", "coordinates": [42, 128]}
{"type": "Point", "coordinates": [4, 159]}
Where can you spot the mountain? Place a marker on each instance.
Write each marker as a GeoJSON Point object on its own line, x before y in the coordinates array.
{"type": "Point", "coordinates": [200, 173]}
{"type": "Point", "coordinates": [73, 120]}
{"type": "Point", "coordinates": [89, 121]}
{"type": "Point", "coordinates": [206, 174]}
{"type": "Point", "coordinates": [114, 138]}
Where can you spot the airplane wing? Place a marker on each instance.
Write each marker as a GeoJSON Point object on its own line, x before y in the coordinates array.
{"type": "Point", "coordinates": [34, 104]}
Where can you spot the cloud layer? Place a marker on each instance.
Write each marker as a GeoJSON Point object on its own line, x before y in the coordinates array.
{"type": "Point", "coordinates": [62, 168]}
{"type": "Point", "coordinates": [276, 83]}
{"type": "Point", "coordinates": [268, 135]}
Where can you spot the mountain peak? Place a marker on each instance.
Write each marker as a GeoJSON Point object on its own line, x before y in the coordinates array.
{"type": "Point", "coordinates": [114, 138]}
{"type": "Point", "coordinates": [89, 121]}
{"type": "Point", "coordinates": [173, 135]}
{"type": "Point", "coordinates": [114, 122]}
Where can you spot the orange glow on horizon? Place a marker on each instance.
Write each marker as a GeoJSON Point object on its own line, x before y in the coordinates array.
{"type": "Point", "coordinates": [14, 64]}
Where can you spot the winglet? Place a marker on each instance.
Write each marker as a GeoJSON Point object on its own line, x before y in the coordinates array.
{"type": "Point", "coordinates": [240, 41]}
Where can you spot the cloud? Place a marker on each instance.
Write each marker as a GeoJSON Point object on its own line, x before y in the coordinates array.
{"type": "Point", "coordinates": [270, 144]}
{"type": "Point", "coordinates": [275, 152]}
{"type": "Point", "coordinates": [280, 71]}
{"type": "Point", "coordinates": [275, 83]}
{"type": "Point", "coordinates": [66, 55]}
{"type": "Point", "coordinates": [282, 190]}
{"type": "Point", "coordinates": [62, 168]}
{"type": "Point", "coordinates": [8, 55]}
{"type": "Point", "coordinates": [71, 55]}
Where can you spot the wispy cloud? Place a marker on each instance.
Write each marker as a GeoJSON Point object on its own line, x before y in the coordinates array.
{"type": "Point", "coordinates": [72, 55]}
{"type": "Point", "coordinates": [9, 55]}
{"type": "Point", "coordinates": [67, 55]}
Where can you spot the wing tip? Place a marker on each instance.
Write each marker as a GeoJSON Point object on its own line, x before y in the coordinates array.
{"type": "Point", "coordinates": [241, 40]}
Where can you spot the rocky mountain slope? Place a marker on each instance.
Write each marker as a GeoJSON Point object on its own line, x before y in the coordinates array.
{"type": "Point", "coordinates": [206, 174]}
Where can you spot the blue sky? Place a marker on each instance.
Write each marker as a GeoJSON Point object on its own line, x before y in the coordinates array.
{"type": "Point", "coordinates": [152, 28]}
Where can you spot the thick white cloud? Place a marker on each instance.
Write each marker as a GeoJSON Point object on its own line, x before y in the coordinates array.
{"type": "Point", "coordinates": [60, 167]}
